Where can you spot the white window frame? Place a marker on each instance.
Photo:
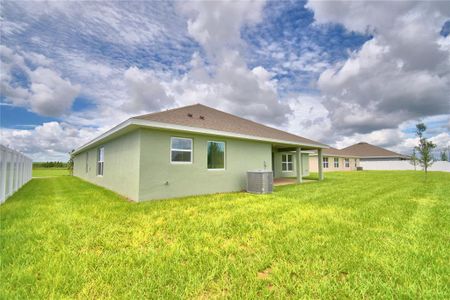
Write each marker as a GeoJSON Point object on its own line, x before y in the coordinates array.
{"type": "Point", "coordinates": [325, 162]}
{"type": "Point", "coordinates": [287, 162]}
{"type": "Point", "coordinates": [347, 162]}
{"type": "Point", "coordinates": [224, 155]}
{"type": "Point", "coordinates": [102, 162]}
{"type": "Point", "coordinates": [336, 162]}
{"type": "Point", "coordinates": [181, 150]}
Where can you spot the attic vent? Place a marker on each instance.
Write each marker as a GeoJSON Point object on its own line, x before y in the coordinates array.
{"type": "Point", "coordinates": [190, 115]}
{"type": "Point", "coordinates": [202, 117]}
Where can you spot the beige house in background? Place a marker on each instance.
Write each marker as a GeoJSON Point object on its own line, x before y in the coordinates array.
{"type": "Point", "coordinates": [334, 160]}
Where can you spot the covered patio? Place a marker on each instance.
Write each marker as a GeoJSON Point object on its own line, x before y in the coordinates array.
{"type": "Point", "coordinates": [290, 164]}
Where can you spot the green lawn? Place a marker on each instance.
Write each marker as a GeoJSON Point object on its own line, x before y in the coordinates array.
{"type": "Point", "coordinates": [46, 172]}
{"type": "Point", "coordinates": [355, 235]}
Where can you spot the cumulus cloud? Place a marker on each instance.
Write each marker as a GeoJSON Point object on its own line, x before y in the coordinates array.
{"type": "Point", "coordinates": [310, 118]}
{"type": "Point", "coordinates": [216, 25]}
{"type": "Point", "coordinates": [41, 90]}
{"type": "Point", "coordinates": [146, 92]}
{"type": "Point", "coordinates": [227, 82]}
{"type": "Point", "coordinates": [234, 88]}
{"type": "Point", "coordinates": [401, 74]}
{"type": "Point", "coordinates": [51, 139]}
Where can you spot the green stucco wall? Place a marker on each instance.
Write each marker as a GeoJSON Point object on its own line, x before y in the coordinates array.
{"type": "Point", "coordinates": [137, 165]}
{"type": "Point", "coordinates": [277, 165]}
{"type": "Point", "coordinates": [159, 178]}
{"type": "Point", "coordinates": [121, 165]}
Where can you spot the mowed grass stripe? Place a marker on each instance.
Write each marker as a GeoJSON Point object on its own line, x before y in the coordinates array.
{"type": "Point", "coordinates": [355, 235]}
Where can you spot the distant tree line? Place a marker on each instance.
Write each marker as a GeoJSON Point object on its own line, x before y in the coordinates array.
{"type": "Point", "coordinates": [49, 164]}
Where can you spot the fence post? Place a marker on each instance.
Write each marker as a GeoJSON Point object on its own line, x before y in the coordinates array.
{"type": "Point", "coordinates": [22, 178]}
{"type": "Point", "coordinates": [19, 173]}
{"type": "Point", "coordinates": [4, 162]}
{"type": "Point", "coordinates": [11, 174]}
{"type": "Point", "coordinates": [26, 171]}
{"type": "Point", "coordinates": [16, 171]}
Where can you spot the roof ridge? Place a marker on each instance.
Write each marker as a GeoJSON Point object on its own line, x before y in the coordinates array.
{"type": "Point", "coordinates": [163, 111]}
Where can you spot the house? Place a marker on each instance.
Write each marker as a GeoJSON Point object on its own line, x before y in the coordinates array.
{"type": "Point", "coordinates": [334, 160]}
{"type": "Point", "coordinates": [189, 151]}
{"type": "Point", "coordinates": [368, 152]}
{"type": "Point", "coordinates": [376, 158]}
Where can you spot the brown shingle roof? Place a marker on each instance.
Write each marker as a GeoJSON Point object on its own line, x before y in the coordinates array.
{"type": "Point", "coordinates": [336, 152]}
{"type": "Point", "coordinates": [204, 117]}
{"type": "Point", "coordinates": [368, 150]}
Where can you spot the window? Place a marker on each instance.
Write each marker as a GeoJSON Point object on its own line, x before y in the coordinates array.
{"type": "Point", "coordinates": [287, 163]}
{"type": "Point", "coordinates": [87, 161]}
{"type": "Point", "coordinates": [181, 150]}
{"type": "Point", "coordinates": [325, 162]}
{"type": "Point", "coordinates": [100, 160]}
{"type": "Point", "coordinates": [216, 155]}
{"type": "Point", "coordinates": [347, 163]}
{"type": "Point", "coordinates": [336, 162]}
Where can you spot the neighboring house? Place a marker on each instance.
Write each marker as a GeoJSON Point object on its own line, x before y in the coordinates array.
{"type": "Point", "coordinates": [188, 151]}
{"type": "Point", "coordinates": [368, 152]}
{"type": "Point", "coordinates": [334, 160]}
{"type": "Point", "coordinates": [376, 158]}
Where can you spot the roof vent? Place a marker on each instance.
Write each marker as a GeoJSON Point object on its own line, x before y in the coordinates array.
{"type": "Point", "coordinates": [202, 117]}
{"type": "Point", "coordinates": [189, 115]}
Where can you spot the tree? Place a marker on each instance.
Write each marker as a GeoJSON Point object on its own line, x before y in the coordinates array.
{"type": "Point", "coordinates": [414, 159]}
{"type": "Point", "coordinates": [70, 162]}
{"type": "Point", "coordinates": [444, 156]}
{"type": "Point", "coordinates": [424, 148]}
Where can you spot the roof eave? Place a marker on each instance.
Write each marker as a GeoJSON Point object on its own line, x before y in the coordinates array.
{"type": "Point", "coordinates": [169, 126]}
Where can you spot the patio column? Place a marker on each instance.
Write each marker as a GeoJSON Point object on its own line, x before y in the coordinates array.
{"type": "Point", "coordinates": [298, 164]}
{"type": "Point", "coordinates": [320, 163]}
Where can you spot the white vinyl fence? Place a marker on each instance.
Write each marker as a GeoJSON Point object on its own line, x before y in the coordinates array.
{"type": "Point", "coordinates": [443, 166]}
{"type": "Point", "coordinates": [15, 171]}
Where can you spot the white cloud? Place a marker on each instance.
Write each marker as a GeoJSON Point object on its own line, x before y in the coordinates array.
{"type": "Point", "coordinates": [309, 118]}
{"type": "Point", "coordinates": [216, 25]}
{"type": "Point", "coordinates": [227, 82]}
{"type": "Point", "coordinates": [403, 73]}
{"type": "Point", "coordinates": [50, 95]}
{"type": "Point", "coordinates": [146, 92]}
{"type": "Point", "coordinates": [50, 140]}
{"type": "Point", "coordinates": [47, 93]}
{"type": "Point", "coordinates": [232, 87]}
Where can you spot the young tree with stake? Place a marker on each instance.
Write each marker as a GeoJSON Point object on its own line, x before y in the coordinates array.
{"type": "Point", "coordinates": [413, 160]}
{"type": "Point", "coordinates": [424, 148]}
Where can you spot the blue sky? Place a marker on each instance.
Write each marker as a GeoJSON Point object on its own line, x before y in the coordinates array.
{"type": "Point", "coordinates": [338, 72]}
